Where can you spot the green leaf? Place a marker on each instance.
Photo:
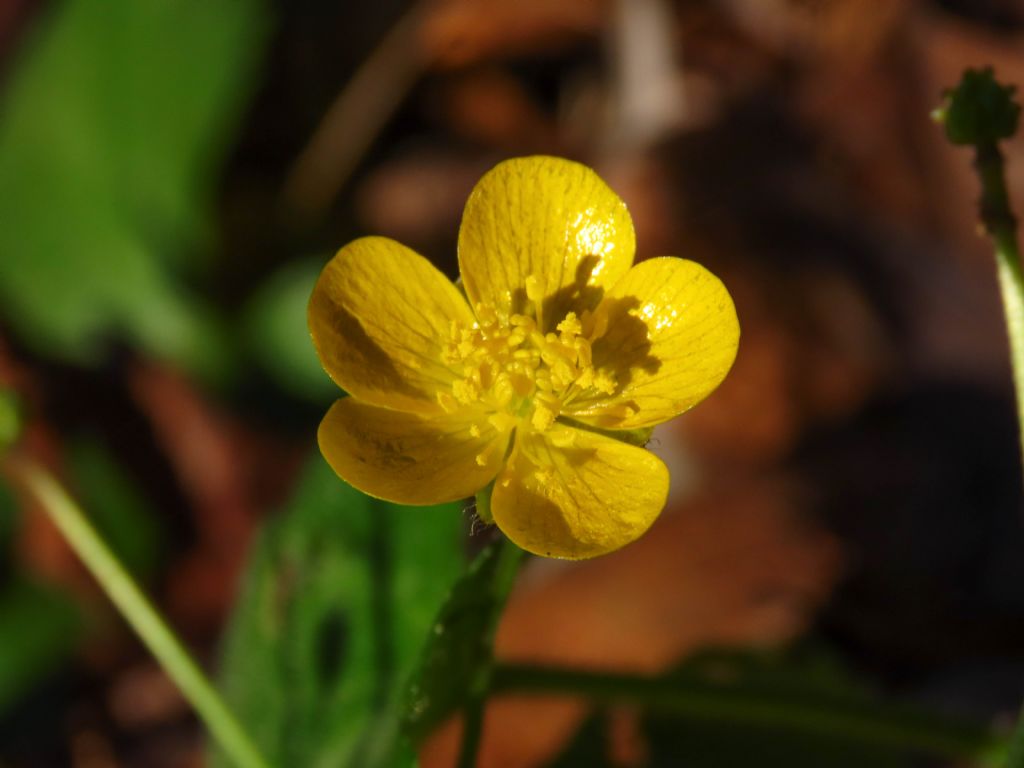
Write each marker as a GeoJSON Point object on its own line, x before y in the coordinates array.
{"type": "Point", "coordinates": [339, 593]}
{"type": "Point", "coordinates": [457, 659]}
{"type": "Point", "coordinates": [277, 335]}
{"type": "Point", "coordinates": [115, 115]}
{"type": "Point", "coordinates": [41, 628]}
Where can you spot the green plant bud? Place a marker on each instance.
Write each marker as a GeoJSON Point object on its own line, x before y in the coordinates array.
{"type": "Point", "coordinates": [979, 110]}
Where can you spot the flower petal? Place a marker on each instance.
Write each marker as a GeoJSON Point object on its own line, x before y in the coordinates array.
{"type": "Point", "coordinates": [408, 458]}
{"type": "Point", "coordinates": [379, 315]}
{"type": "Point", "coordinates": [672, 337]}
{"type": "Point", "coordinates": [546, 218]}
{"type": "Point", "coordinates": [588, 498]}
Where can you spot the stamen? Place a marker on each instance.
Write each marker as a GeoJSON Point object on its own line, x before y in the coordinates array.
{"type": "Point", "coordinates": [570, 326]}
{"type": "Point", "coordinates": [595, 325]}
{"type": "Point", "coordinates": [542, 418]}
{"type": "Point", "coordinates": [563, 438]}
{"type": "Point", "coordinates": [502, 422]}
{"type": "Point", "coordinates": [533, 289]}
{"type": "Point", "coordinates": [513, 373]}
{"type": "Point", "coordinates": [604, 382]}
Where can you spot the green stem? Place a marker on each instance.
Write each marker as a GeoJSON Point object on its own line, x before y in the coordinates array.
{"type": "Point", "coordinates": [862, 723]}
{"type": "Point", "coordinates": [1001, 225]}
{"type": "Point", "coordinates": [980, 112]}
{"type": "Point", "coordinates": [999, 222]}
{"type": "Point", "coordinates": [510, 557]}
{"type": "Point", "coordinates": [137, 610]}
{"type": "Point", "coordinates": [472, 730]}
{"type": "Point", "coordinates": [1011, 285]}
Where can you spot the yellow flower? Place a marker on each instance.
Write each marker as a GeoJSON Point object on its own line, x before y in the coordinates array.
{"type": "Point", "coordinates": [555, 342]}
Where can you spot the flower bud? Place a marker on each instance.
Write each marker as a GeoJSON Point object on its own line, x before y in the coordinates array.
{"type": "Point", "coordinates": [979, 110]}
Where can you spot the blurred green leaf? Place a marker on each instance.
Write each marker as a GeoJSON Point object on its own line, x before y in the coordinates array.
{"type": "Point", "coordinates": [114, 120]}
{"type": "Point", "coordinates": [458, 648]}
{"type": "Point", "coordinates": [7, 519]}
{"type": "Point", "coordinates": [813, 680]}
{"type": "Point", "coordinates": [115, 506]}
{"type": "Point", "coordinates": [793, 709]}
{"type": "Point", "coordinates": [41, 625]}
{"type": "Point", "coordinates": [10, 418]}
{"type": "Point", "coordinates": [338, 596]}
{"type": "Point", "coordinates": [277, 336]}
{"type": "Point", "coordinates": [41, 628]}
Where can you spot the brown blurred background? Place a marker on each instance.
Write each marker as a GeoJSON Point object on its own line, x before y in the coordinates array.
{"type": "Point", "coordinates": [854, 481]}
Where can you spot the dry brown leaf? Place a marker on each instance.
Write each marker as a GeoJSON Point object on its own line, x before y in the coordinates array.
{"type": "Point", "coordinates": [461, 32]}
{"type": "Point", "coordinates": [142, 696]}
{"type": "Point", "coordinates": [418, 199]}
{"type": "Point", "coordinates": [218, 465]}
{"type": "Point", "coordinates": [494, 109]}
{"type": "Point", "coordinates": [847, 30]}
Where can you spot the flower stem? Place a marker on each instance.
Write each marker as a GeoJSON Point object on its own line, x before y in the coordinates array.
{"type": "Point", "coordinates": [136, 609]}
{"type": "Point", "coordinates": [854, 722]}
{"type": "Point", "coordinates": [1001, 226]}
{"type": "Point", "coordinates": [509, 559]}
{"type": "Point", "coordinates": [980, 112]}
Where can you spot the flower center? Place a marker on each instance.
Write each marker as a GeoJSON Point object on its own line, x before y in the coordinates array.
{"type": "Point", "coordinates": [518, 376]}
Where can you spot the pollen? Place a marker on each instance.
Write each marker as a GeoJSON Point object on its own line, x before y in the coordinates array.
{"type": "Point", "coordinates": [514, 374]}
{"type": "Point", "coordinates": [542, 418]}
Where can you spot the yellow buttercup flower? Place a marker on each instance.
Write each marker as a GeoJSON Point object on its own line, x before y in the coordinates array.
{"type": "Point", "coordinates": [555, 342]}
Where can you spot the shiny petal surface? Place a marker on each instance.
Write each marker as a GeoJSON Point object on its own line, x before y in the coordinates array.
{"type": "Point", "coordinates": [549, 219]}
{"type": "Point", "coordinates": [672, 337]}
{"type": "Point", "coordinates": [581, 500]}
{"type": "Point", "coordinates": [408, 458]}
{"type": "Point", "coordinates": [379, 315]}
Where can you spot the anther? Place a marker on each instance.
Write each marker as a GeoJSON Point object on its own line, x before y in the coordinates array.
{"type": "Point", "coordinates": [542, 418]}
{"type": "Point", "coordinates": [570, 326]}
{"type": "Point", "coordinates": [605, 382]}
